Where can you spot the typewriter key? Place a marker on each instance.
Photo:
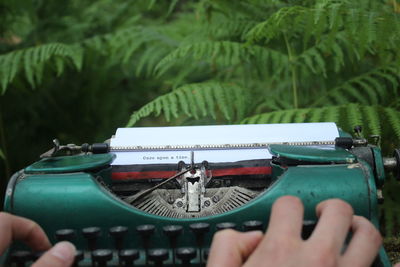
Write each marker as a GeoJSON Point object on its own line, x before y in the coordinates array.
{"type": "Point", "coordinates": [118, 233]}
{"type": "Point", "coordinates": [173, 231]}
{"type": "Point", "coordinates": [206, 252]}
{"type": "Point", "coordinates": [91, 234]}
{"type": "Point", "coordinates": [78, 257]}
{"type": "Point", "coordinates": [21, 257]}
{"type": "Point", "coordinates": [65, 234]}
{"type": "Point", "coordinates": [158, 256]}
{"type": "Point", "coordinates": [200, 229]}
{"type": "Point", "coordinates": [36, 255]}
{"type": "Point", "coordinates": [252, 226]}
{"type": "Point", "coordinates": [225, 225]}
{"type": "Point", "coordinates": [186, 254]}
{"type": "Point", "coordinates": [145, 231]}
{"type": "Point", "coordinates": [128, 256]}
{"type": "Point", "coordinates": [102, 256]}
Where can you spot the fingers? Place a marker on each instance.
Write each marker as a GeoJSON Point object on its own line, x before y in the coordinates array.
{"type": "Point", "coordinates": [283, 237]}
{"type": "Point", "coordinates": [364, 244]}
{"type": "Point", "coordinates": [231, 248]}
{"type": "Point", "coordinates": [62, 254]}
{"type": "Point", "coordinates": [335, 219]}
{"type": "Point", "coordinates": [18, 228]}
{"type": "Point", "coordinates": [286, 218]}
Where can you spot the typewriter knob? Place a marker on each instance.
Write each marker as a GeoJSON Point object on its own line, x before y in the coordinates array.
{"type": "Point", "coordinates": [36, 255]}
{"type": "Point", "coordinates": [200, 229]}
{"type": "Point", "coordinates": [252, 226]}
{"type": "Point", "coordinates": [78, 257]}
{"type": "Point", "coordinates": [91, 234]}
{"type": "Point", "coordinates": [118, 233]}
{"type": "Point", "coordinates": [225, 225]}
{"type": "Point", "coordinates": [145, 231]}
{"type": "Point", "coordinates": [102, 256]}
{"type": "Point", "coordinates": [128, 256]}
{"type": "Point", "coordinates": [186, 255]}
{"type": "Point", "coordinates": [65, 234]}
{"type": "Point", "coordinates": [172, 231]}
{"type": "Point", "coordinates": [158, 256]}
{"type": "Point", "coordinates": [21, 257]}
{"type": "Point", "coordinates": [206, 252]}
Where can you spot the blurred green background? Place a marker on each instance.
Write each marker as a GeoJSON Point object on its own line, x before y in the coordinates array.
{"type": "Point", "coordinates": [77, 70]}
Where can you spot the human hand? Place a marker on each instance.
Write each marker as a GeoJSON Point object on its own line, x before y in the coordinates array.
{"type": "Point", "coordinates": [18, 228]}
{"type": "Point", "coordinates": [283, 246]}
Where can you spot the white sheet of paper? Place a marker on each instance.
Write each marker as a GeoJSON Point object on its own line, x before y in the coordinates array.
{"type": "Point", "coordinates": [210, 135]}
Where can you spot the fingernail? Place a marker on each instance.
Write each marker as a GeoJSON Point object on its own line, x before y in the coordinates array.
{"type": "Point", "coordinates": [65, 251]}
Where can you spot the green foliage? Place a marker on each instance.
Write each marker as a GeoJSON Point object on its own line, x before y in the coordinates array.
{"type": "Point", "coordinates": [32, 60]}
{"type": "Point", "coordinates": [197, 100]}
{"type": "Point", "coordinates": [95, 64]}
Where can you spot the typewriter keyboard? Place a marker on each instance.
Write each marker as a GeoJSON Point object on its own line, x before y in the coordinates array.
{"type": "Point", "coordinates": [120, 254]}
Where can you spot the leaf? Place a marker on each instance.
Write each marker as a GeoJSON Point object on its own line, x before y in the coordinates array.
{"type": "Point", "coordinates": [196, 100]}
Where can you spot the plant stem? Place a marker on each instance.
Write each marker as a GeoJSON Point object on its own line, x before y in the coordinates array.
{"type": "Point", "coordinates": [294, 72]}
{"type": "Point", "coordinates": [3, 147]}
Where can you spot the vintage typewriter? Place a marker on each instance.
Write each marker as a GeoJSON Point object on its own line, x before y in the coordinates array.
{"type": "Point", "coordinates": [156, 196]}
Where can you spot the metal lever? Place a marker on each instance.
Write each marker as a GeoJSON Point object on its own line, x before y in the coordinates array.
{"type": "Point", "coordinates": [72, 149]}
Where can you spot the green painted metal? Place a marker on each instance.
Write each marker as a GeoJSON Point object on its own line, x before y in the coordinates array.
{"type": "Point", "coordinates": [313, 154]}
{"type": "Point", "coordinates": [379, 168]}
{"type": "Point", "coordinates": [68, 164]}
{"type": "Point", "coordinates": [77, 200]}
{"type": "Point", "coordinates": [60, 195]}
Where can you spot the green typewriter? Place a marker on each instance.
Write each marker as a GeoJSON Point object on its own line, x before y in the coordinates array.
{"type": "Point", "coordinates": [154, 196]}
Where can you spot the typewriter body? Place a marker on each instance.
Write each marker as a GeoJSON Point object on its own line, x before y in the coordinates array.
{"type": "Point", "coordinates": [156, 196]}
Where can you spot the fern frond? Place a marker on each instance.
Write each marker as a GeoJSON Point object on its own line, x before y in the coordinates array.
{"type": "Point", "coordinates": [197, 100]}
{"type": "Point", "coordinates": [272, 27]}
{"type": "Point", "coordinates": [227, 53]}
{"type": "Point", "coordinates": [32, 60]}
{"type": "Point", "coordinates": [237, 28]}
{"type": "Point", "coordinates": [230, 52]}
{"type": "Point", "coordinates": [354, 116]}
{"type": "Point", "coordinates": [394, 120]}
{"type": "Point", "coordinates": [367, 88]}
{"type": "Point", "coordinates": [373, 118]}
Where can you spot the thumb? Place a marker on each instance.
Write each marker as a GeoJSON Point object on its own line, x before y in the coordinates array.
{"type": "Point", "coordinates": [232, 248]}
{"type": "Point", "coordinates": [62, 254]}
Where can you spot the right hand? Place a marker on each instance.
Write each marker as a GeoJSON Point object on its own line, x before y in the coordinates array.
{"type": "Point", "coordinates": [283, 246]}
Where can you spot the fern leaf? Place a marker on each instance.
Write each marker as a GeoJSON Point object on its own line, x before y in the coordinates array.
{"type": "Point", "coordinates": [316, 114]}
{"type": "Point", "coordinates": [332, 113]}
{"type": "Point", "coordinates": [394, 120]}
{"type": "Point", "coordinates": [364, 88]}
{"type": "Point", "coordinates": [32, 60]}
{"type": "Point", "coordinates": [373, 120]}
{"type": "Point", "coordinates": [208, 95]}
{"type": "Point", "coordinates": [354, 116]}
{"type": "Point", "coordinates": [223, 102]}
{"type": "Point", "coordinates": [187, 99]}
